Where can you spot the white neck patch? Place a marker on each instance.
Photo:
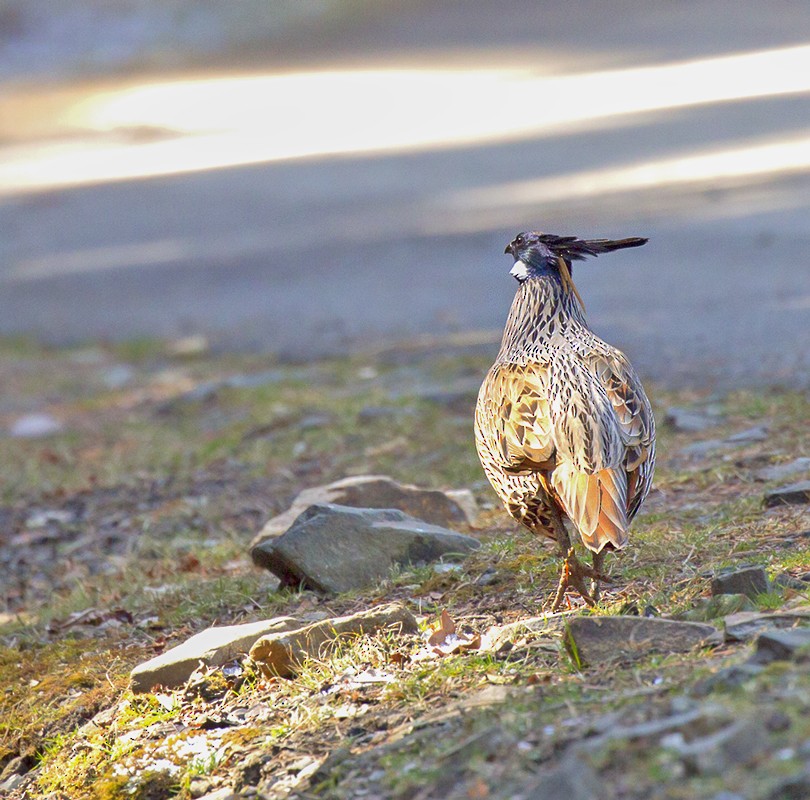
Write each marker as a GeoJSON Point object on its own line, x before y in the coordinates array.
{"type": "Point", "coordinates": [520, 270]}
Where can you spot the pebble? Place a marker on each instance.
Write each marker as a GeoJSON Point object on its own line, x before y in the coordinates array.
{"type": "Point", "coordinates": [782, 645]}
{"type": "Point", "coordinates": [34, 426]}
{"type": "Point", "coordinates": [750, 581]}
{"type": "Point", "coordinates": [690, 420]}
{"type": "Point", "coordinates": [794, 494]}
{"type": "Point", "coordinates": [779, 472]}
{"type": "Point", "coordinates": [117, 376]}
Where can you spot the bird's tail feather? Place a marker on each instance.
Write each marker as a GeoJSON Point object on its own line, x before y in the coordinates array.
{"type": "Point", "coordinates": [596, 504]}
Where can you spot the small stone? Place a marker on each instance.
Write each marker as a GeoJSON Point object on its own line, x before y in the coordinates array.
{"type": "Point", "coordinates": [488, 577]}
{"type": "Point", "coordinates": [787, 645]}
{"type": "Point", "coordinates": [794, 494]}
{"type": "Point", "coordinates": [690, 420]}
{"type": "Point", "coordinates": [314, 421]}
{"type": "Point", "coordinates": [751, 581]}
{"type": "Point", "coordinates": [51, 516]}
{"type": "Point", "coordinates": [499, 635]}
{"type": "Point", "coordinates": [778, 721]}
{"type": "Point", "coordinates": [34, 426]}
{"type": "Point", "coordinates": [727, 678]}
{"type": "Point", "coordinates": [199, 786]}
{"type": "Point", "coordinates": [373, 413]}
{"type": "Point", "coordinates": [224, 793]}
{"type": "Point", "coordinates": [572, 780]}
{"type": "Point", "coordinates": [738, 743]}
{"type": "Point", "coordinates": [333, 548]}
{"type": "Point", "coordinates": [705, 448]}
{"type": "Point", "coordinates": [794, 787]}
{"type": "Point", "coordinates": [188, 346]}
{"type": "Point", "coordinates": [786, 581]}
{"type": "Point", "coordinates": [11, 783]}
{"type": "Point", "coordinates": [212, 647]}
{"type": "Point", "coordinates": [117, 376]}
{"type": "Point", "coordinates": [596, 640]}
{"type": "Point", "coordinates": [756, 434]}
{"type": "Point", "coordinates": [779, 472]}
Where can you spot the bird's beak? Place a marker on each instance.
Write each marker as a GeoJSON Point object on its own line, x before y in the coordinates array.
{"type": "Point", "coordinates": [509, 249]}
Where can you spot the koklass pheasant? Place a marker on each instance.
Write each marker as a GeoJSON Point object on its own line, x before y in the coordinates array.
{"type": "Point", "coordinates": [563, 427]}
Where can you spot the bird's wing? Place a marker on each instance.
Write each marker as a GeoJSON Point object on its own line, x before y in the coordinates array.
{"type": "Point", "coordinates": [589, 478]}
{"type": "Point", "coordinates": [636, 422]}
{"type": "Point", "coordinates": [513, 415]}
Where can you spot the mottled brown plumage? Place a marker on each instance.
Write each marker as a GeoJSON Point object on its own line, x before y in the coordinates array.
{"type": "Point", "coordinates": [563, 427]}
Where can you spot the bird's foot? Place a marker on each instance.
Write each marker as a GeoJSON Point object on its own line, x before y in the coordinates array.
{"type": "Point", "coordinates": [573, 574]}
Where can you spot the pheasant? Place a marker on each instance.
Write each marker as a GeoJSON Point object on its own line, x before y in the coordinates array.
{"type": "Point", "coordinates": [563, 427]}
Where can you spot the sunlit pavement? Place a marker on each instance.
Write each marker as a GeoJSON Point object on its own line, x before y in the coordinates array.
{"type": "Point", "coordinates": [306, 210]}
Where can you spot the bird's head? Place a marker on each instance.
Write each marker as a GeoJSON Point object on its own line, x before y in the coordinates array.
{"type": "Point", "coordinates": [535, 256]}
{"type": "Point", "coordinates": [544, 254]}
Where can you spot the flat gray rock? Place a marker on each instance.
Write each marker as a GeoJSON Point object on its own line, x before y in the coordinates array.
{"type": "Point", "coordinates": [457, 507]}
{"type": "Point", "coordinates": [738, 743]}
{"type": "Point", "coordinates": [572, 779]}
{"type": "Point", "coordinates": [690, 420]}
{"type": "Point", "coordinates": [780, 472]}
{"type": "Point", "coordinates": [332, 548]}
{"type": "Point", "coordinates": [795, 494]}
{"type": "Point", "coordinates": [282, 653]}
{"type": "Point", "coordinates": [213, 647]}
{"type": "Point", "coordinates": [788, 645]}
{"type": "Point", "coordinates": [750, 581]}
{"type": "Point", "coordinates": [595, 640]}
{"type": "Point", "coordinates": [739, 439]}
{"type": "Point", "coordinates": [758, 433]}
{"type": "Point", "coordinates": [748, 624]}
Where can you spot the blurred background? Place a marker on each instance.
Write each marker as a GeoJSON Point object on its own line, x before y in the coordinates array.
{"type": "Point", "coordinates": [305, 177]}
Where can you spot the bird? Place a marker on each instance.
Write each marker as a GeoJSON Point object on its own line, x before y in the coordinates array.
{"type": "Point", "coordinates": [563, 427]}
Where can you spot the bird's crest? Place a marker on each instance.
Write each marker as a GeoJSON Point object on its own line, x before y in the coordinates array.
{"type": "Point", "coordinates": [534, 247]}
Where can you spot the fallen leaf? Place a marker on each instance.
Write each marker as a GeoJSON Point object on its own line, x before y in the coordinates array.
{"type": "Point", "coordinates": [447, 640]}
{"type": "Point", "coordinates": [445, 629]}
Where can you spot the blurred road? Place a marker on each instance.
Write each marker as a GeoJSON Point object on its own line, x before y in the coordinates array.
{"type": "Point", "coordinates": [606, 128]}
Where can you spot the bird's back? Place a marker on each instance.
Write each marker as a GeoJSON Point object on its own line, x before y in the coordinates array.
{"type": "Point", "coordinates": [562, 418]}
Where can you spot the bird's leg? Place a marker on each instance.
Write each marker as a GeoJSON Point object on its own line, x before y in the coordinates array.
{"type": "Point", "coordinates": [598, 563]}
{"type": "Point", "coordinates": [573, 571]}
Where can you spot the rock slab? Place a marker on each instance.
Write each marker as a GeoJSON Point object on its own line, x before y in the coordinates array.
{"type": "Point", "coordinates": [280, 654]}
{"type": "Point", "coordinates": [779, 472]}
{"type": "Point", "coordinates": [750, 581]}
{"type": "Point", "coordinates": [691, 420]}
{"type": "Point", "coordinates": [213, 647]}
{"type": "Point", "coordinates": [456, 507]}
{"type": "Point", "coordinates": [788, 645]}
{"type": "Point", "coordinates": [596, 640]}
{"type": "Point", "coordinates": [747, 624]}
{"type": "Point", "coordinates": [796, 494]}
{"type": "Point", "coordinates": [332, 548]}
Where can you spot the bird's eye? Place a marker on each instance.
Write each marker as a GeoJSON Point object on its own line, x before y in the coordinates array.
{"type": "Point", "coordinates": [519, 240]}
